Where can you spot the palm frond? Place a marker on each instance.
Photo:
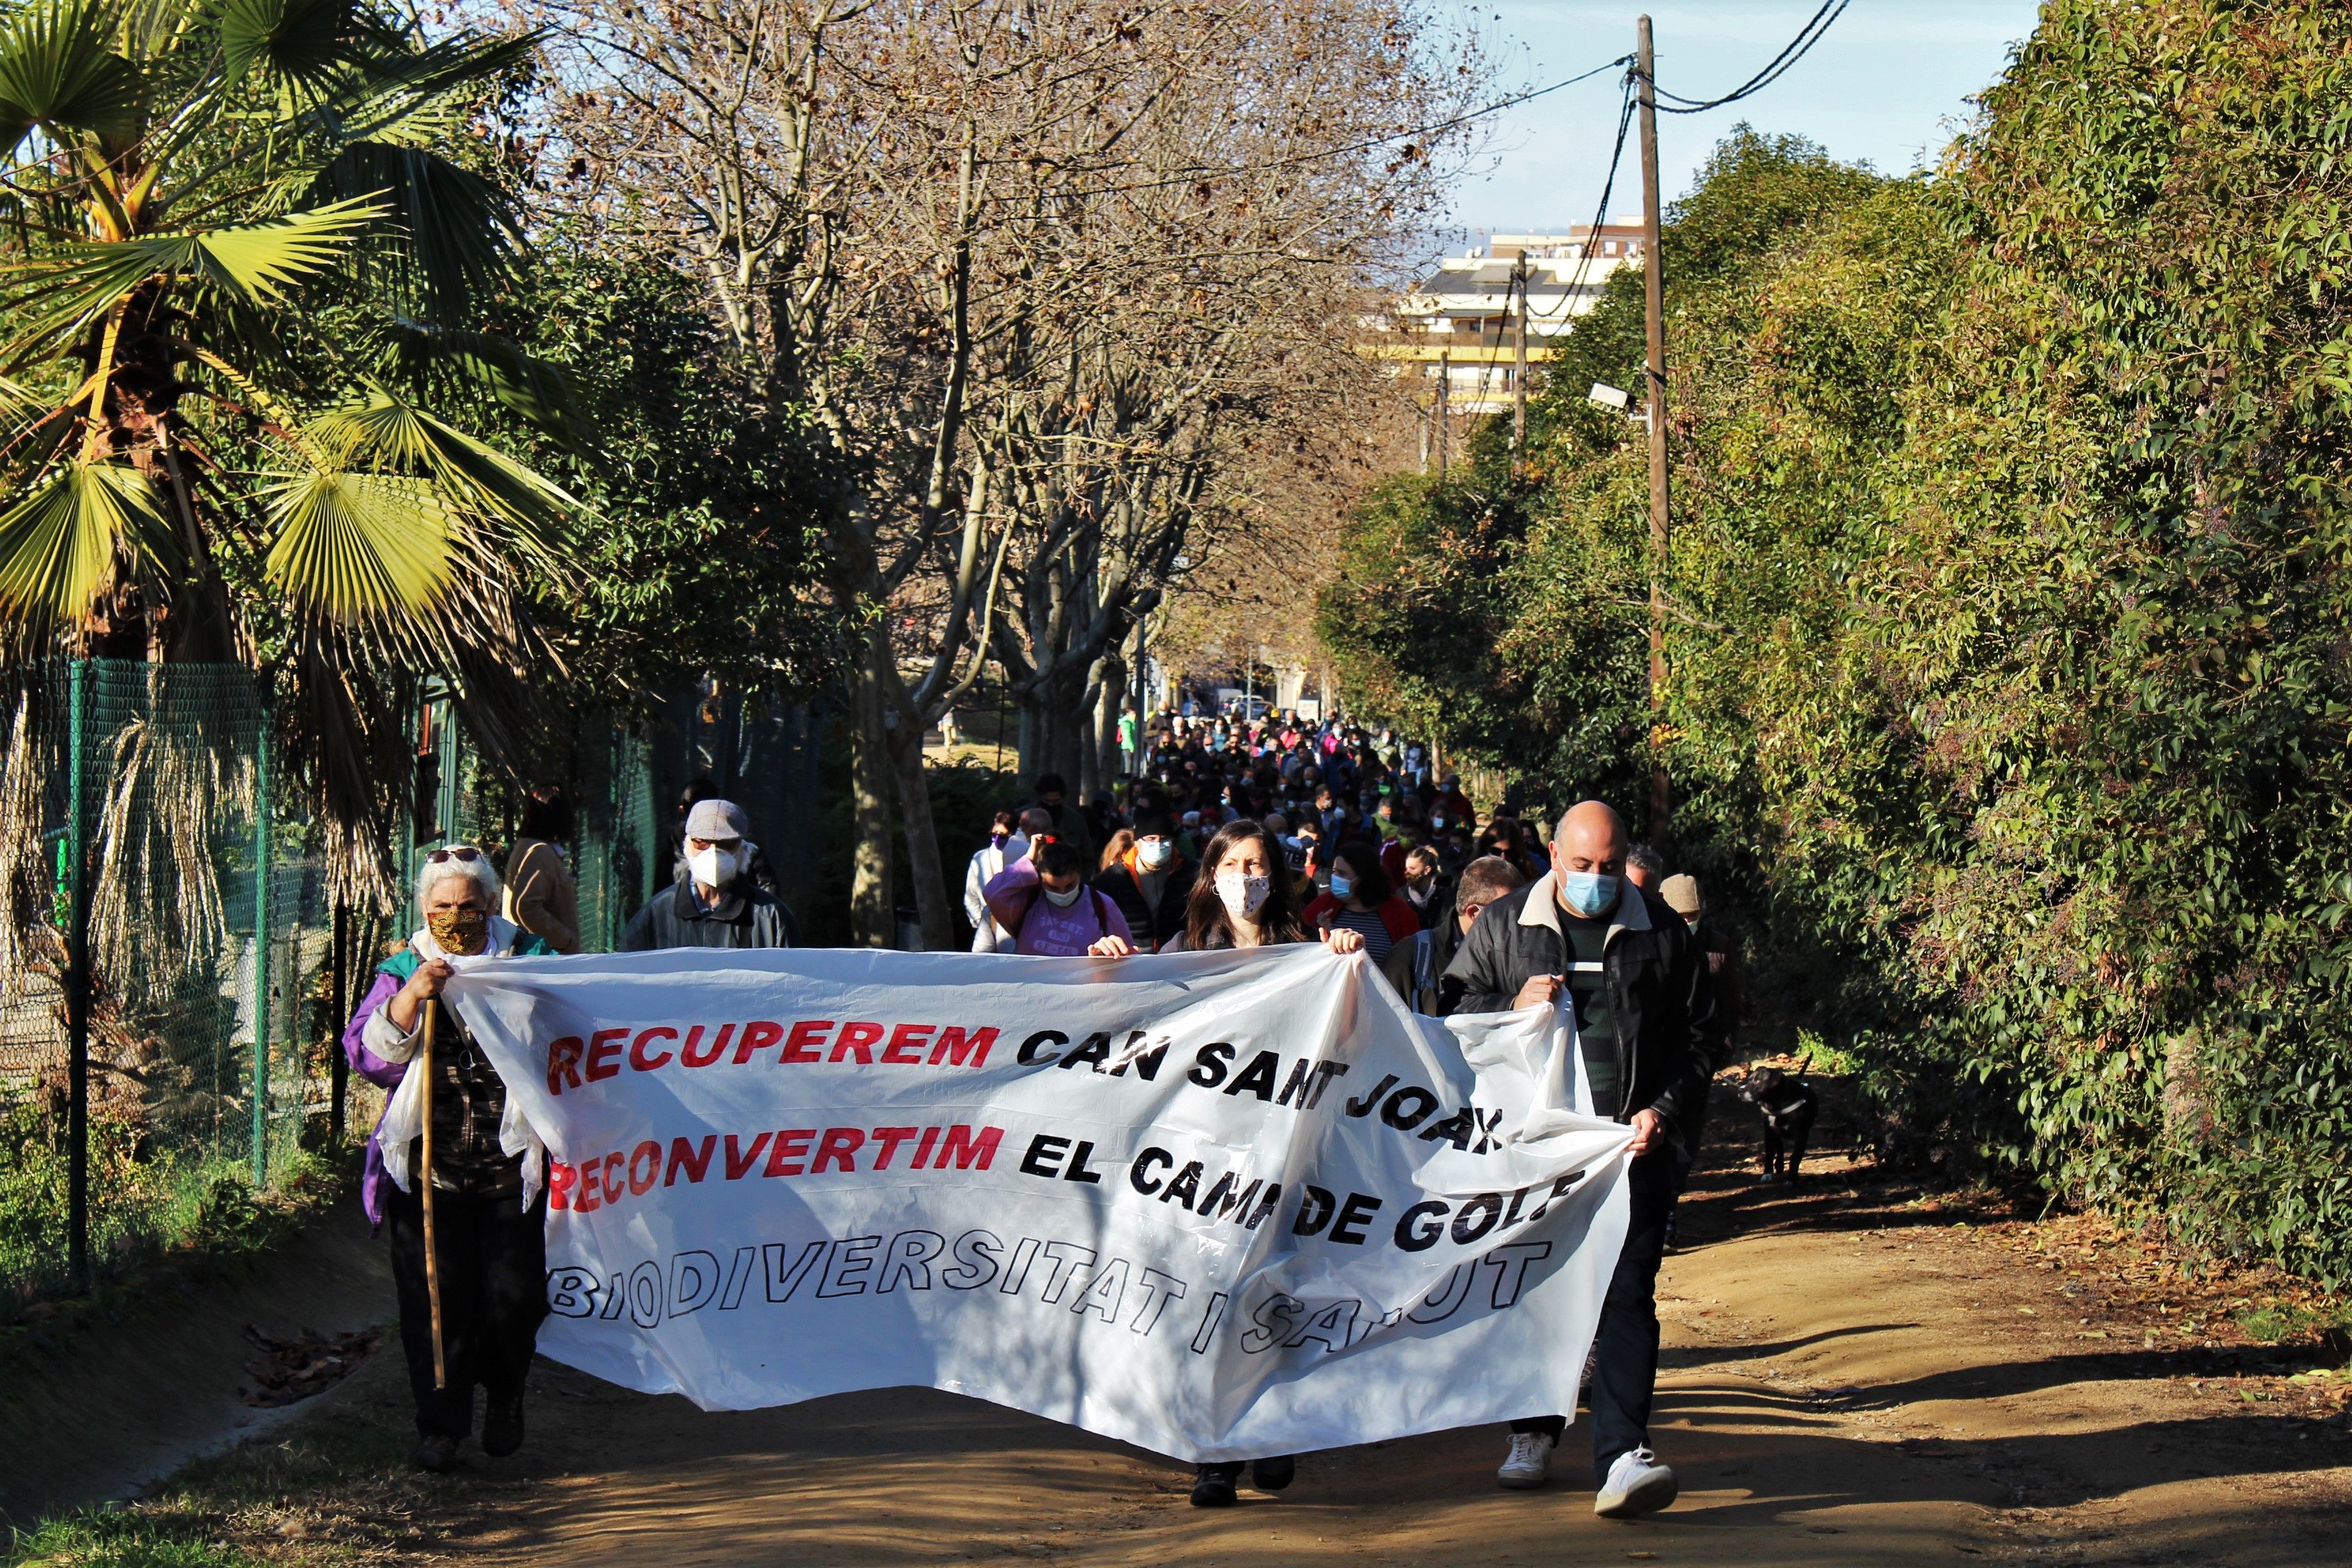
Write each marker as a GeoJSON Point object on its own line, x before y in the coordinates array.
{"type": "Point", "coordinates": [262, 260]}
{"type": "Point", "coordinates": [305, 43]}
{"type": "Point", "coordinates": [467, 62]}
{"type": "Point", "coordinates": [59, 543]}
{"type": "Point", "coordinates": [515, 508]}
{"type": "Point", "coordinates": [58, 69]}
{"type": "Point", "coordinates": [67, 289]}
{"type": "Point", "coordinates": [452, 236]}
{"type": "Point", "coordinates": [359, 547]}
{"type": "Point", "coordinates": [426, 357]}
{"type": "Point", "coordinates": [20, 408]}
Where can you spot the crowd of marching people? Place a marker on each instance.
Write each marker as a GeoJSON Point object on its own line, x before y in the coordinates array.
{"type": "Point", "coordinates": [1226, 833]}
{"type": "Point", "coordinates": [1372, 839]}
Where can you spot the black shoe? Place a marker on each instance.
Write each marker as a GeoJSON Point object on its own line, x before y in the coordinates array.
{"type": "Point", "coordinates": [502, 1427]}
{"type": "Point", "coordinates": [1272, 1475]}
{"type": "Point", "coordinates": [1212, 1485]}
{"type": "Point", "coordinates": [437, 1453]}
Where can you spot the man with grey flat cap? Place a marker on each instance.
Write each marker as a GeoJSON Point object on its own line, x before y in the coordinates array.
{"type": "Point", "coordinates": [714, 903]}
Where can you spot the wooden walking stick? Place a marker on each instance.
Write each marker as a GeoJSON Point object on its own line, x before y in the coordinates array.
{"type": "Point", "coordinates": [425, 1186]}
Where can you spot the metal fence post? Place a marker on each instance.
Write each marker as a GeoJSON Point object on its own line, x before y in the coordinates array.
{"type": "Point", "coordinates": [262, 956]}
{"type": "Point", "coordinates": [338, 1069]}
{"type": "Point", "coordinates": [78, 986]}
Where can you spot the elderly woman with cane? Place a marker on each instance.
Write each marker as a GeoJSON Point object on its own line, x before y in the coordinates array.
{"type": "Point", "coordinates": [457, 1177]}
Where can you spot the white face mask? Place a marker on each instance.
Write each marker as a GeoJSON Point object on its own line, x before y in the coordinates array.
{"type": "Point", "coordinates": [1063, 900]}
{"type": "Point", "coordinates": [712, 867]}
{"type": "Point", "coordinates": [1154, 852]}
{"type": "Point", "coordinates": [1243, 895]}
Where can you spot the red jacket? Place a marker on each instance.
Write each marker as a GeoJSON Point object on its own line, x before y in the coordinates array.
{"type": "Point", "coordinates": [1396, 914]}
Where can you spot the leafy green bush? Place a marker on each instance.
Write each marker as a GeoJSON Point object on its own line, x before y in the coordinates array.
{"type": "Point", "coordinates": [140, 1206]}
{"type": "Point", "coordinates": [2009, 705]}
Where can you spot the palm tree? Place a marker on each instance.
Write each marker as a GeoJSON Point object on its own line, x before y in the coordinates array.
{"type": "Point", "coordinates": [246, 247]}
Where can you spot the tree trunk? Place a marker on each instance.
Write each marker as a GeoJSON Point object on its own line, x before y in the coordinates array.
{"type": "Point", "coordinates": [1089, 778]}
{"type": "Point", "coordinates": [923, 862]}
{"type": "Point", "coordinates": [1109, 764]}
{"type": "Point", "coordinates": [870, 911]}
{"type": "Point", "coordinates": [1048, 720]}
{"type": "Point", "coordinates": [1029, 745]}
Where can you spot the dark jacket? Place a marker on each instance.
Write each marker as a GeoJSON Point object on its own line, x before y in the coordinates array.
{"type": "Point", "coordinates": [1417, 968]}
{"type": "Point", "coordinates": [1149, 928]}
{"type": "Point", "coordinates": [746, 916]}
{"type": "Point", "coordinates": [1070, 825]}
{"type": "Point", "coordinates": [1720, 952]}
{"type": "Point", "coordinates": [1438, 908]}
{"type": "Point", "coordinates": [1659, 991]}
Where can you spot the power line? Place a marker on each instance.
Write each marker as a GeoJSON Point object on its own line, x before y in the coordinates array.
{"type": "Point", "coordinates": [1586, 252]}
{"type": "Point", "coordinates": [1777, 67]}
{"type": "Point", "coordinates": [1811, 33]}
{"type": "Point", "coordinates": [1780, 65]}
{"type": "Point", "coordinates": [1415, 133]}
{"type": "Point", "coordinates": [1797, 48]}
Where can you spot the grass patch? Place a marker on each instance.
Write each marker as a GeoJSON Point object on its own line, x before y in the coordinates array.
{"type": "Point", "coordinates": [2276, 1322]}
{"type": "Point", "coordinates": [124, 1540]}
{"type": "Point", "coordinates": [333, 1489]}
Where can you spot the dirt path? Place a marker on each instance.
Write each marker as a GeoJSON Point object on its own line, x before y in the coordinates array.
{"type": "Point", "coordinates": [1854, 1374]}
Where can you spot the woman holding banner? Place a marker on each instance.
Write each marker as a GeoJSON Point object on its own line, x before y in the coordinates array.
{"type": "Point", "coordinates": [1242, 899]}
{"type": "Point", "coordinates": [459, 1180]}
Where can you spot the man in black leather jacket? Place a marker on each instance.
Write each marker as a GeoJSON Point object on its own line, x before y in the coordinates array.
{"type": "Point", "coordinates": [1645, 1026]}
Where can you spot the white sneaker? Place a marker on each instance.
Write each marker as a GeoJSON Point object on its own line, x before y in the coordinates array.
{"type": "Point", "coordinates": [1637, 1484]}
{"type": "Point", "coordinates": [1529, 1465]}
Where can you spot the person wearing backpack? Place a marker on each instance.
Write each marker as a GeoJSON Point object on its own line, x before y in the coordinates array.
{"type": "Point", "coordinates": [1043, 899]}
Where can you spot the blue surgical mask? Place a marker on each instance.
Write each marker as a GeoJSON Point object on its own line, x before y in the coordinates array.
{"type": "Point", "coordinates": [1342, 886]}
{"type": "Point", "coordinates": [1587, 893]}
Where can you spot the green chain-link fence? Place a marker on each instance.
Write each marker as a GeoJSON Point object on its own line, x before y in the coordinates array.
{"type": "Point", "coordinates": [172, 972]}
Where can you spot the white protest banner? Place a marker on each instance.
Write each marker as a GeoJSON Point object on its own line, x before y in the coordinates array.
{"type": "Point", "coordinates": [1219, 1205]}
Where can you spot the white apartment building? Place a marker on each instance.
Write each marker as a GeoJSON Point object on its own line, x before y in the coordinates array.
{"type": "Point", "coordinates": [1457, 323]}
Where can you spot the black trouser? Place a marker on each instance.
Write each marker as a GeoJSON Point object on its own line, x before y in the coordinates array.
{"type": "Point", "coordinates": [493, 1258]}
{"type": "Point", "coordinates": [1625, 1351]}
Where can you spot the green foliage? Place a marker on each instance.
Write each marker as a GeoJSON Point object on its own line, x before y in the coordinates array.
{"type": "Point", "coordinates": [1419, 602]}
{"type": "Point", "coordinates": [2007, 696]}
{"type": "Point", "coordinates": [703, 549]}
{"type": "Point", "coordinates": [101, 1540]}
{"type": "Point", "coordinates": [142, 1203]}
{"type": "Point", "coordinates": [1754, 192]}
{"type": "Point", "coordinates": [249, 246]}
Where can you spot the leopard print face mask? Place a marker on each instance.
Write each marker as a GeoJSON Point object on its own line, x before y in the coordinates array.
{"type": "Point", "coordinates": [459, 931]}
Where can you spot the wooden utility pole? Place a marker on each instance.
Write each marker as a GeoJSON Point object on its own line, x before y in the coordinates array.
{"type": "Point", "coordinates": [1519, 374]}
{"type": "Point", "coordinates": [1654, 292]}
{"type": "Point", "coordinates": [1444, 420]}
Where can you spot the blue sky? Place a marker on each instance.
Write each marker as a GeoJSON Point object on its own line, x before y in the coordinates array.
{"type": "Point", "coordinates": [1889, 84]}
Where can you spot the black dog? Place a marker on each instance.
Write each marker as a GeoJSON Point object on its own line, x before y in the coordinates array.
{"type": "Point", "coordinates": [1787, 1105]}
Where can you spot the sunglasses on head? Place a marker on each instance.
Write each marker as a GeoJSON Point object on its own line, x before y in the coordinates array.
{"type": "Point", "coordinates": [464, 853]}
